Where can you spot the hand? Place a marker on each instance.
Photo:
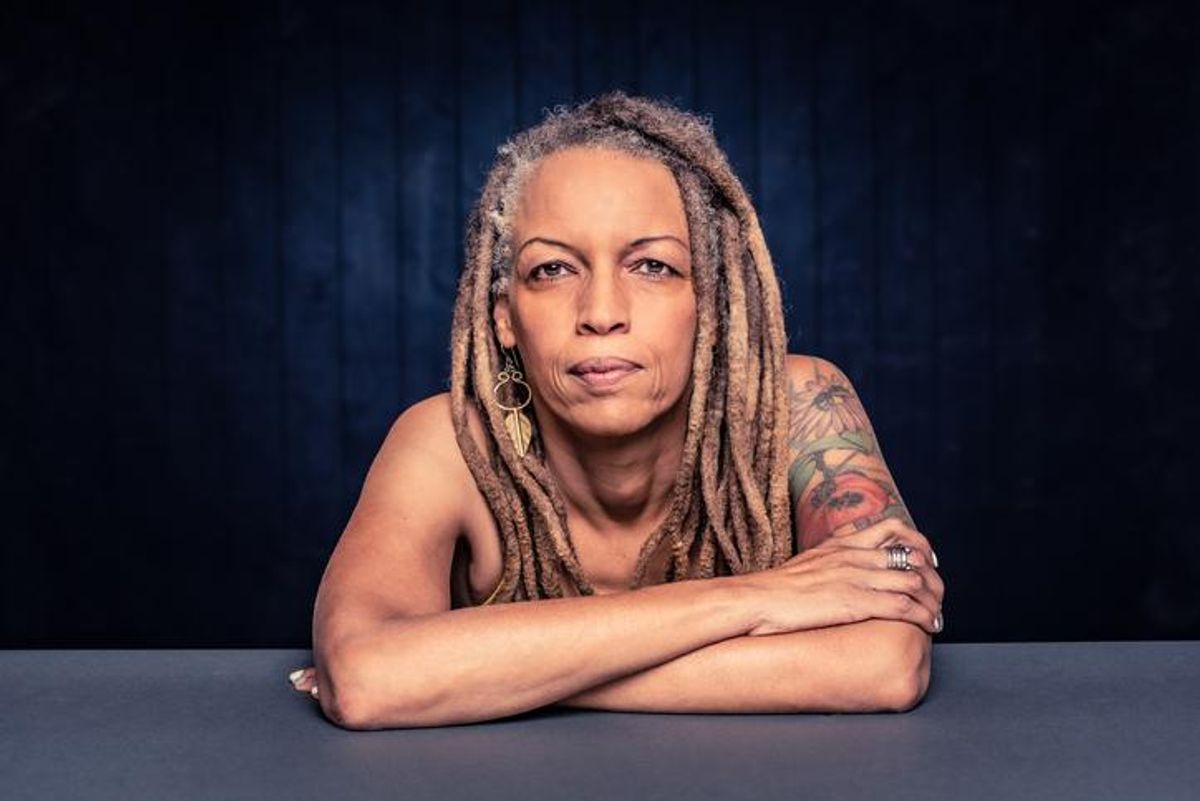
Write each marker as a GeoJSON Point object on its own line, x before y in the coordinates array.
{"type": "Point", "coordinates": [845, 579]}
{"type": "Point", "coordinates": [306, 682]}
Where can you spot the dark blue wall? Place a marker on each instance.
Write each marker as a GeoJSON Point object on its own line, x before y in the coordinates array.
{"type": "Point", "coordinates": [234, 235]}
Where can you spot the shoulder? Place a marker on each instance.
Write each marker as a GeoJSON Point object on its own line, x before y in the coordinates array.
{"type": "Point", "coordinates": [818, 388]}
{"type": "Point", "coordinates": [427, 427]}
{"type": "Point", "coordinates": [448, 483]}
{"type": "Point", "coordinates": [803, 368]}
{"type": "Point", "coordinates": [822, 402]}
{"type": "Point", "coordinates": [397, 548]}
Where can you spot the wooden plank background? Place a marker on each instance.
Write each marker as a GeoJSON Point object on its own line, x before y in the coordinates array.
{"type": "Point", "coordinates": [234, 234]}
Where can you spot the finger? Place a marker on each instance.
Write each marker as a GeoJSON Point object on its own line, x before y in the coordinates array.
{"type": "Point", "coordinates": [304, 679]}
{"type": "Point", "coordinates": [916, 583]}
{"type": "Point", "coordinates": [902, 596]}
{"type": "Point", "coordinates": [888, 531]}
{"type": "Point", "coordinates": [902, 606]}
{"type": "Point", "coordinates": [917, 562]}
{"type": "Point", "coordinates": [919, 579]}
{"type": "Point", "coordinates": [877, 558]}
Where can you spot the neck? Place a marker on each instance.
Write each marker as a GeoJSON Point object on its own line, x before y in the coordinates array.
{"type": "Point", "coordinates": [617, 485]}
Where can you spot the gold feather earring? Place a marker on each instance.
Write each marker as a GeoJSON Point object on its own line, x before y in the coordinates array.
{"type": "Point", "coordinates": [516, 422]}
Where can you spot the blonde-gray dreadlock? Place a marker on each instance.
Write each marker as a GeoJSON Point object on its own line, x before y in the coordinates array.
{"type": "Point", "coordinates": [730, 494]}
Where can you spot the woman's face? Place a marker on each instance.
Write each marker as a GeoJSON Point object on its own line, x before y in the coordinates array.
{"type": "Point", "coordinates": [601, 269]}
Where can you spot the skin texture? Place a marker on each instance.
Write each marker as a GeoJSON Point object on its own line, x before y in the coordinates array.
{"type": "Point", "coordinates": [729, 509]}
{"type": "Point", "coordinates": [837, 476]}
{"type": "Point", "coordinates": [834, 664]}
{"type": "Point", "coordinates": [615, 455]}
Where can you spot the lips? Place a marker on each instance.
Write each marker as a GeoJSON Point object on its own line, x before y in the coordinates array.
{"type": "Point", "coordinates": [604, 375]}
{"type": "Point", "coordinates": [602, 364]}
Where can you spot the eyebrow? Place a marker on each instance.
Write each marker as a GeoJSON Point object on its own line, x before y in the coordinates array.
{"type": "Point", "coordinates": [637, 243]}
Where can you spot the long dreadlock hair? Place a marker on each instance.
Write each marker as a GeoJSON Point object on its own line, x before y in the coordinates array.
{"type": "Point", "coordinates": [729, 505]}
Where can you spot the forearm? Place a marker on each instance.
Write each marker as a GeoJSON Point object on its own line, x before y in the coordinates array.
{"type": "Point", "coordinates": [480, 663]}
{"type": "Point", "coordinates": [874, 665]}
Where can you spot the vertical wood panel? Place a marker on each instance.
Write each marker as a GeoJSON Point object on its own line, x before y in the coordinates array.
{"type": "Point", "coordinates": [237, 235]}
{"type": "Point", "coordinates": [724, 71]}
{"type": "Point", "coordinates": [786, 50]}
{"type": "Point", "coordinates": [1077, 226]}
{"type": "Point", "coordinates": [312, 297]}
{"type": "Point", "coordinates": [195, 324]}
{"type": "Point", "coordinates": [845, 186]}
{"type": "Point", "coordinates": [250, 69]}
{"type": "Point", "coordinates": [27, 133]}
{"type": "Point", "coordinates": [127, 209]}
{"type": "Point", "coordinates": [368, 228]}
{"type": "Point", "coordinates": [607, 46]}
{"type": "Point", "coordinates": [666, 51]}
{"type": "Point", "coordinates": [903, 402]}
{"type": "Point", "coordinates": [68, 443]}
{"type": "Point", "coordinates": [1016, 216]}
{"type": "Point", "coordinates": [1151, 202]}
{"type": "Point", "coordinates": [964, 302]}
{"type": "Point", "coordinates": [548, 63]}
{"type": "Point", "coordinates": [1171, 598]}
{"type": "Point", "coordinates": [487, 101]}
{"type": "Point", "coordinates": [429, 222]}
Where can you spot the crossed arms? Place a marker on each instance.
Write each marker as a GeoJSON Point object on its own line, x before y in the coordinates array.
{"type": "Point", "coordinates": [838, 481]}
{"type": "Point", "coordinates": [677, 647]}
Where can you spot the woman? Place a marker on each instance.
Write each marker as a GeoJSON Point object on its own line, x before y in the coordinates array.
{"type": "Point", "coordinates": [627, 443]}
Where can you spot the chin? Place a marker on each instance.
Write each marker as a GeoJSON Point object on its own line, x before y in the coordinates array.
{"type": "Point", "coordinates": [609, 419]}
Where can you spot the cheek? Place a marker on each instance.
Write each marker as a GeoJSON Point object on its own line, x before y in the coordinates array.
{"type": "Point", "coordinates": [684, 329]}
{"type": "Point", "coordinates": [677, 334]}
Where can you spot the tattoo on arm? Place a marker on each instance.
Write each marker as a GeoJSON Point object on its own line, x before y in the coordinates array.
{"type": "Point", "coordinates": [837, 476]}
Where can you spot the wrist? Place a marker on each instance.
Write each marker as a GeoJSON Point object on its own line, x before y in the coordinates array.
{"type": "Point", "coordinates": [732, 599]}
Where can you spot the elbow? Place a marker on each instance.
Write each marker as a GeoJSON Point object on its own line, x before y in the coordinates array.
{"type": "Point", "coordinates": [346, 712]}
{"type": "Point", "coordinates": [907, 693]}
{"type": "Point", "coordinates": [344, 696]}
{"type": "Point", "coordinates": [349, 710]}
{"type": "Point", "coordinates": [366, 696]}
{"type": "Point", "coordinates": [905, 672]}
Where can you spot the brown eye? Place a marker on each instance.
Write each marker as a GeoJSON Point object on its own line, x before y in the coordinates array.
{"type": "Point", "coordinates": [658, 269]}
{"type": "Point", "coordinates": [552, 270]}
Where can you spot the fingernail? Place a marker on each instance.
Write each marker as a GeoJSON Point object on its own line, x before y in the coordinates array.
{"type": "Point", "coordinates": [938, 624]}
{"type": "Point", "coordinates": [295, 674]}
{"type": "Point", "coordinates": [313, 691]}
{"type": "Point", "coordinates": [933, 553]}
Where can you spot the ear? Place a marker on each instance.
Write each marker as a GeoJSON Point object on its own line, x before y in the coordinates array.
{"type": "Point", "coordinates": [502, 317]}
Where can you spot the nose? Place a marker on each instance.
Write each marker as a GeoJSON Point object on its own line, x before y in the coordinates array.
{"type": "Point", "coordinates": [603, 306]}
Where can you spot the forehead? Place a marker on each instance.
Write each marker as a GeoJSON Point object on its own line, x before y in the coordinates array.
{"type": "Point", "coordinates": [581, 190]}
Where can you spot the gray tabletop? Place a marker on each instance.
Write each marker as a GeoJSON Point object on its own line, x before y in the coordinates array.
{"type": "Point", "coordinates": [1000, 720]}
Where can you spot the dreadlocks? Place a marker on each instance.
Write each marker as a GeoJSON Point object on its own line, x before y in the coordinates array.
{"type": "Point", "coordinates": [729, 505]}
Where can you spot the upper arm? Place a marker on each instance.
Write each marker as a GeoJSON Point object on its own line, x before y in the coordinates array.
{"type": "Point", "coordinates": [837, 476]}
{"type": "Point", "coordinates": [393, 558]}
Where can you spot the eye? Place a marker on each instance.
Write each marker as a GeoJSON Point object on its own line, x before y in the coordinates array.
{"type": "Point", "coordinates": [552, 269]}
{"type": "Point", "coordinates": [658, 269]}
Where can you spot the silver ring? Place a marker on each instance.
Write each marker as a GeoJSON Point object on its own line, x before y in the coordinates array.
{"type": "Point", "coordinates": [898, 557]}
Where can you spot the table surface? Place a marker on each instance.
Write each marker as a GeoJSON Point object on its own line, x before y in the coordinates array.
{"type": "Point", "coordinates": [1059, 721]}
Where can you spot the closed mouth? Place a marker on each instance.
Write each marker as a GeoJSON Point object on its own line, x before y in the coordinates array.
{"type": "Point", "coordinates": [604, 379]}
{"type": "Point", "coordinates": [603, 365]}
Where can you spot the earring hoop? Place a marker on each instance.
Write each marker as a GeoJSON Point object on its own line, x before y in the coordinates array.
{"type": "Point", "coordinates": [516, 422]}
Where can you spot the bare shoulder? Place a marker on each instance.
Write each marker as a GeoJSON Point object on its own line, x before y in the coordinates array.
{"type": "Point", "coordinates": [817, 384]}
{"type": "Point", "coordinates": [803, 367]}
{"type": "Point", "coordinates": [837, 477]}
{"type": "Point", "coordinates": [429, 425]}
{"type": "Point", "coordinates": [394, 555]}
